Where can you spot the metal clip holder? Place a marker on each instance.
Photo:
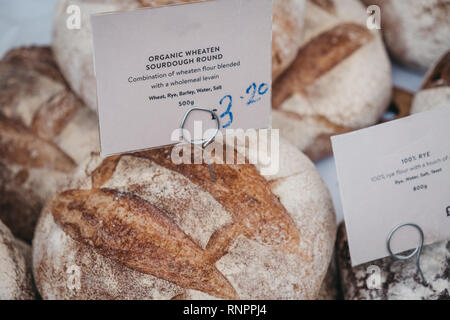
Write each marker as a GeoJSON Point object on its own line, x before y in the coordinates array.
{"type": "Point", "coordinates": [202, 144]}
{"type": "Point", "coordinates": [417, 252]}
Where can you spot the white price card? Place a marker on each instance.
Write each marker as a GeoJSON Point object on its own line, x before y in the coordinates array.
{"type": "Point", "coordinates": [155, 64]}
{"type": "Point", "coordinates": [392, 174]}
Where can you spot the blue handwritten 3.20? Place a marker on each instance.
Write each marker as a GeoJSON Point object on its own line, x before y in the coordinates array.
{"type": "Point", "coordinates": [254, 94]}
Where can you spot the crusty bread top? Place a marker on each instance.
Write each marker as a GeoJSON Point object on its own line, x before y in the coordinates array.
{"type": "Point", "coordinates": [319, 56]}
{"type": "Point", "coordinates": [172, 222]}
{"type": "Point", "coordinates": [45, 130]}
{"type": "Point", "coordinates": [334, 31]}
{"type": "Point", "coordinates": [36, 111]}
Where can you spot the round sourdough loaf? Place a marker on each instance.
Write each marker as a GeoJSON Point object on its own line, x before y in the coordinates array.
{"type": "Point", "coordinates": [74, 53]}
{"type": "Point", "coordinates": [435, 91]}
{"type": "Point", "coordinates": [15, 268]}
{"type": "Point", "coordinates": [138, 226]}
{"type": "Point", "coordinates": [44, 132]}
{"type": "Point", "coordinates": [416, 32]}
{"type": "Point", "coordinates": [399, 279]}
{"type": "Point", "coordinates": [340, 80]}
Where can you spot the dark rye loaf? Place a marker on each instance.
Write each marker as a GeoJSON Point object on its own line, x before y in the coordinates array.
{"type": "Point", "coordinates": [399, 279]}
{"type": "Point", "coordinates": [45, 130]}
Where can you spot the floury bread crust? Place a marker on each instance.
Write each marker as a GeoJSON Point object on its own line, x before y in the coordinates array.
{"type": "Point", "coordinates": [74, 53]}
{"type": "Point", "coordinates": [44, 132]}
{"type": "Point", "coordinates": [339, 82]}
{"type": "Point", "coordinates": [416, 32]}
{"type": "Point", "coordinates": [139, 227]}
{"type": "Point", "coordinates": [400, 279]}
{"type": "Point", "coordinates": [287, 38]}
{"type": "Point", "coordinates": [15, 268]}
{"type": "Point", "coordinates": [435, 91]}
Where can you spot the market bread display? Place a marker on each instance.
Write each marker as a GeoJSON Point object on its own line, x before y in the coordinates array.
{"type": "Point", "coordinates": [74, 53]}
{"type": "Point", "coordinates": [416, 32]}
{"type": "Point", "coordinates": [44, 132]}
{"type": "Point", "coordinates": [399, 278]}
{"type": "Point", "coordinates": [15, 268]}
{"type": "Point", "coordinates": [435, 91]}
{"type": "Point", "coordinates": [339, 82]}
{"type": "Point", "coordinates": [138, 226]}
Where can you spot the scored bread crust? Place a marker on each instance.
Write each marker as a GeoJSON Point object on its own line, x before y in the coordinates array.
{"type": "Point", "coordinates": [15, 271]}
{"type": "Point", "coordinates": [435, 90]}
{"type": "Point", "coordinates": [140, 227]}
{"type": "Point", "coordinates": [45, 130]}
{"type": "Point", "coordinates": [339, 82]}
{"type": "Point", "coordinates": [74, 53]}
{"type": "Point", "coordinates": [416, 32]}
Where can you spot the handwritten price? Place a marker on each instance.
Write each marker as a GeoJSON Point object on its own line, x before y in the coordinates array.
{"type": "Point", "coordinates": [254, 94]}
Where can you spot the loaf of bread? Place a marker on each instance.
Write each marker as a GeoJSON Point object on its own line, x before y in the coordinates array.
{"type": "Point", "coordinates": [74, 53]}
{"type": "Point", "coordinates": [399, 278]}
{"type": "Point", "coordinates": [416, 32]}
{"type": "Point", "coordinates": [138, 226]}
{"type": "Point", "coordinates": [15, 268]}
{"type": "Point", "coordinates": [45, 130]}
{"type": "Point", "coordinates": [435, 91]}
{"type": "Point", "coordinates": [339, 82]}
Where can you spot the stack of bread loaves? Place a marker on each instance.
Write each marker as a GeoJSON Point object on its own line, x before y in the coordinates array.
{"type": "Point", "coordinates": [435, 91]}
{"type": "Point", "coordinates": [44, 132]}
{"type": "Point", "coordinates": [340, 80]}
{"type": "Point", "coordinates": [138, 226]}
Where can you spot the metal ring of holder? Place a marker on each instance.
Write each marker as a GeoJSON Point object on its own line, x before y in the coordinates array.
{"type": "Point", "coordinates": [205, 142]}
{"type": "Point", "coordinates": [417, 251]}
